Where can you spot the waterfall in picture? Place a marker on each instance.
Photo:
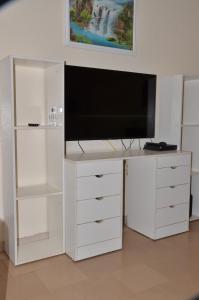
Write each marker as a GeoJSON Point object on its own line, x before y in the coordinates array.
{"type": "Point", "coordinates": [95, 18]}
{"type": "Point", "coordinates": [103, 19]}
{"type": "Point", "coordinates": [111, 22]}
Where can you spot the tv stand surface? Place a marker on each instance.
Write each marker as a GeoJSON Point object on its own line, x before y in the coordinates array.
{"type": "Point", "coordinates": [157, 190]}
{"type": "Point", "coordinates": [124, 155]}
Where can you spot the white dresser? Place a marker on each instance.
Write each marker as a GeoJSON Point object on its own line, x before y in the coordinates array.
{"type": "Point", "coordinates": [157, 189]}
{"type": "Point", "coordinates": [157, 194]}
{"type": "Point", "coordinates": [93, 192]}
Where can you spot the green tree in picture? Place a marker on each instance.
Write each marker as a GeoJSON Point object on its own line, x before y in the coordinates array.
{"type": "Point", "coordinates": [124, 30]}
{"type": "Point", "coordinates": [85, 17]}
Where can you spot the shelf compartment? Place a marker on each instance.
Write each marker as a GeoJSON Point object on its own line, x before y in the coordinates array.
{"type": "Point", "coordinates": [190, 125]}
{"type": "Point", "coordinates": [191, 104]}
{"type": "Point", "coordinates": [26, 127]}
{"type": "Point", "coordinates": [39, 157]}
{"type": "Point", "coordinates": [190, 142]}
{"type": "Point", "coordinates": [39, 250]}
{"type": "Point", "coordinates": [194, 218]}
{"type": "Point", "coordinates": [45, 237]}
{"type": "Point", "coordinates": [37, 191]}
{"type": "Point", "coordinates": [38, 89]}
{"type": "Point", "coordinates": [194, 172]}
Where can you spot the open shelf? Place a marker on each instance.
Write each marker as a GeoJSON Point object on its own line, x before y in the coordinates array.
{"type": "Point", "coordinates": [26, 127]}
{"type": "Point", "coordinates": [38, 92]}
{"type": "Point", "coordinates": [195, 172]}
{"type": "Point", "coordinates": [43, 238]}
{"type": "Point", "coordinates": [190, 142]}
{"type": "Point", "coordinates": [33, 157]}
{"type": "Point", "coordinates": [37, 191]}
{"type": "Point", "coordinates": [39, 250]}
{"type": "Point", "coordinates": [194, 218]}
{"type": "Point", "coordinates": [190, 125]}
{"type": "Point", "coordinates": [39, 156]}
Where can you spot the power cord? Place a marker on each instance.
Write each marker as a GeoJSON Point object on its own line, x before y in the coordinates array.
{"type": "Point", "coordinates": [123, 144]}
{"type": "Point", "coordinates": [140, 145]}
{"type": "Point", "coordinates": [80, 146]}
{"type": "Point", "coordinates": [131, 143]}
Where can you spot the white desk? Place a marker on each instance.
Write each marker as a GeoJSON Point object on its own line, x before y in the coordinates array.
{"type": "Point", "coordinates": [157, 188]}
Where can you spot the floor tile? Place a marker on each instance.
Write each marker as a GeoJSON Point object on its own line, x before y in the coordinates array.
{"type": "Point", "coordinates": [22, 286]}
{"type": "Point", "coordinates": [3, 271]}
{"type": "Point", "coordinates": [104, 265]}
{"type": "Point", "coordinates": [59, 274]}
{"type": "Point", "coordinates": [3, 288]}
{"type": "Point", "coordinates": [34, 266]}
{"type": "Point", "coordinates": [140, 278]}
{"type": "Point", "coordinates": [44, 296]}
{"type": "Point", "coordinates": [106, 289]}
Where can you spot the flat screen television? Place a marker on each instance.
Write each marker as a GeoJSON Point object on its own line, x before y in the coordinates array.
{"type": "Point", "coordinates": [105, 104]}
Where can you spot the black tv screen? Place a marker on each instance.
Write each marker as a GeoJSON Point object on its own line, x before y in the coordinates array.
{"type": "Point", "coordinates": [106, 104]}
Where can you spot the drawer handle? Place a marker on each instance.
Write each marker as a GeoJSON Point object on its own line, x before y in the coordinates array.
{"type": "Point", "coordinates": [99, 176]}
{"type": "Point", "coordinates": [172, 187]}
{"type": "Point", "coordinates": [99, 198]}
{"type": "Point", "coordinates": [172, 206]}
{"type": "Point", "coordinates": [99, 221]}
{"type": "Point", "coordinates": [173, 167]}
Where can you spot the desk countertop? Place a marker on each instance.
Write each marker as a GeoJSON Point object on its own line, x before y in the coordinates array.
{"type": "Point", "coordinates": [120, 155]}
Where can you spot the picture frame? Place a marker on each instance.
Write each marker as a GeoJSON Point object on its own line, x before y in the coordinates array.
{"type": "Point", "coordinates": [102, 25]}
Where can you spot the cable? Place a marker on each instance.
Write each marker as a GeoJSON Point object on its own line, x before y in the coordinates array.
{"type": "Point", "coordinates": [112, 146]}
{"type": "Point", "coordinates": [140, 145]}
{"type": "Point", "coordinates": [123, 144]}
{"type": "Point", "coordinates": [131, 143]}
{"type": "Point", "coordinates": [80, 147]}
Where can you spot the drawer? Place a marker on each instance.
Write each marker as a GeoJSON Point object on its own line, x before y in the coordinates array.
{"type": "Point", "coordinates": [93, 186]}
{"type": "Point", "coordinates": [96, 232]}
{"type": "Point", "coordinates": [98, 248]}
{"type": "Point", "coordinates": [98, 209]}
{"type": "Point", "coordinates": [172, 214]}
{"type": "Point", "coordinates": [172, 229]}
{"type": "Point", "coordinates": [172, 195]}
{"type": "Point", "coordinates": [173, 176]}
{"type": "Point", "coordinates": [175, 160]}
{"type": "Point", "coordinates": [99, 167]}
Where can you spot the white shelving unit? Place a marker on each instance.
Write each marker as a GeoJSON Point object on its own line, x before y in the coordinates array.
{"type": "Point", "coordinates": [190, 135]}
{"type": "Point", "coordinates": [32, 158]}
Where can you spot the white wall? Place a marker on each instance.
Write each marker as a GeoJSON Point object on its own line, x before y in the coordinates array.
{"type": "Point", "coordinates": [166, 37]}
{"type": "Point", "coordinates": [166, 31]}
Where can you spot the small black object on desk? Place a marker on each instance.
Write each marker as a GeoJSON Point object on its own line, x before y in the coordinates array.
{"type": "Point", "coordinates": [33, 124]}
{"type": "Point", "coordinates": [162, 146]}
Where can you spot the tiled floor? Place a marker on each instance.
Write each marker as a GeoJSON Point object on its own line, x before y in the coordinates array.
{"type": "Point", "coordinates": [167, 269]}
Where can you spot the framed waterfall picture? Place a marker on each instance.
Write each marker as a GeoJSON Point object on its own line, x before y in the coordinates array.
{"type": "Point", "coordinates": [101, 24]}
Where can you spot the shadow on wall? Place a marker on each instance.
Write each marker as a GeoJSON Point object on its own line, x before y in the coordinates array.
{"type": "Point", "coordinates": [3, 2]}
{"type": "Point", "coordinates": [4, 265]}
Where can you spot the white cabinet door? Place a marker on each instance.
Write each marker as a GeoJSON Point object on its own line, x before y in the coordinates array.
{"type": "Point", "coordinates": [140, 194]}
